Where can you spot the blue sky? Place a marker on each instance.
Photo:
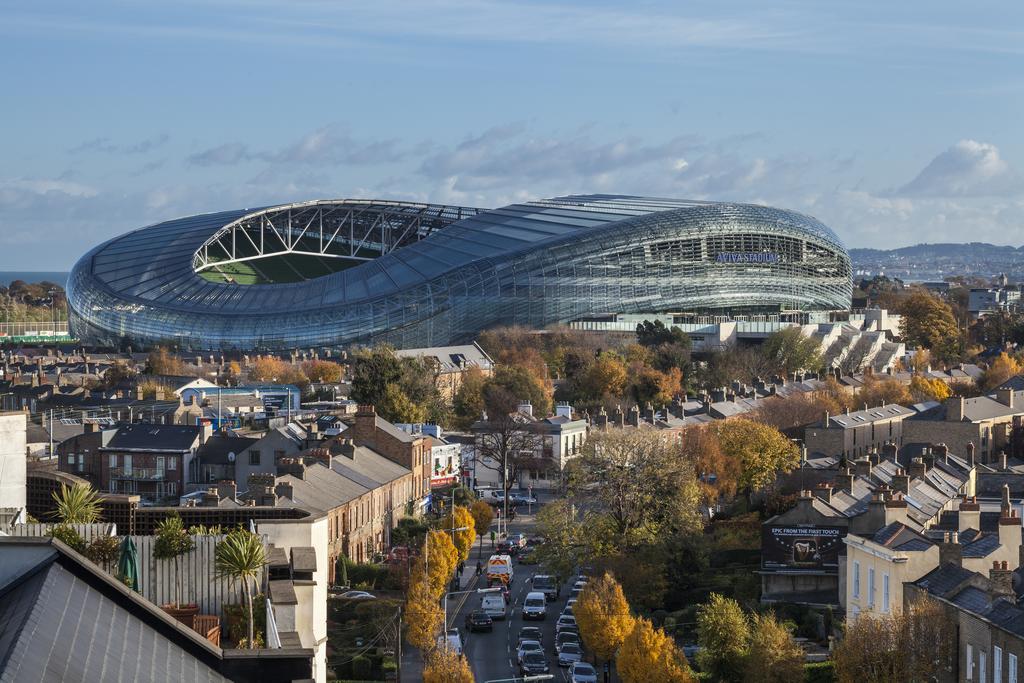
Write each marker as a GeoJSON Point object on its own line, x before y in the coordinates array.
{"type": "Point", "coordinates": [894, 123]}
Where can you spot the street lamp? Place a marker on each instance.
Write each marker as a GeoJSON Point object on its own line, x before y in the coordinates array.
{"type": "Point", "coordinates": [451, 593]}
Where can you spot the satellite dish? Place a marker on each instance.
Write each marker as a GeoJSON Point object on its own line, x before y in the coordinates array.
{"type": "Point", "coordinates": [231, 457]}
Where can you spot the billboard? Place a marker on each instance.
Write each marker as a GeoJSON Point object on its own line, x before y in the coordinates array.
{"type": "Point", "coordinates": [795, 548]}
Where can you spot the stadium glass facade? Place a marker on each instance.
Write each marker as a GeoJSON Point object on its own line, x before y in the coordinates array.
{"type": "Point", "coordinates": [342, 272]}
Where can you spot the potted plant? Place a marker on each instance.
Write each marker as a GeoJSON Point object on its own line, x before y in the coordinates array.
{"type": "Point", "coordinates": [172, 541]}
{"type": "Point", "coordinates": [241, 556]}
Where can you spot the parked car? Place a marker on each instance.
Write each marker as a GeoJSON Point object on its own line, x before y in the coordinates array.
{"type": "Point", "coordinates": [357, 595]}
{"type": "Point", "coordinates": [565, 621]}
{"type": "Point", "coordinates": [565, 637]}
{"type": "Point", "coordinates": [526, 647]}
{"type": "Point", "coordinates": [547, 585]}
{"type": "Point", "coordinates": [534, 541]}
{"type": "Point", "coordinates": [569, 604]}
{"type": "Point", "coordinates": [479, 620]}
{"type": "Point", "coordinates": [582, 672]}
{"type": "Point", "coordinates": [535, 605]}
{"type": "Point", "coordinates": [529, 633]}
{"type": "Point", "coordinates": [533, 663]}
{"type": "Point", "coordinates": [570, 652]}
{"type": "Point", "coordinates": [520, 498]}
{"type": "Point", "coordinates": [452, 639]}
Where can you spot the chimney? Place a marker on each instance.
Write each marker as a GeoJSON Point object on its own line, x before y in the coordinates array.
{"type": "Point", "coordinates": [649, 413]}
{"type": "Point", "coordinates": [824, 491]}
{"type": "Point", "coordinates": [284, 490]}
{"type": "Point", "coordinates": [969, 515]}
{"type": "Point", "coordinates": [889, 452]}
{"type": "Point", "coordinates": [970, 453]}
{"type": "Point", "coordinates": [91, 427]}
{"type": "Point", "coordinates": [618, 419]}
{"type": "Point", "coordinates": [526, 408]}
{"type": "Point", "coordinates": [1001, 577]}
{"type": "Point", "coordinates": [292, 466]}
{"type": "Point", "coordinates": [601, 419]}
{"type": "Point", "coordinates": [210, 498]}
{"type": "Point", "coordinates": [950, 550]}
{"type": "Point", "coordinates": [159, 394]}
{"type": "Point", "coordinates": [563, 409]}
{"type": "Point", "coordinates": [321, 455]}
{"type": "Point", "coordinates": [940, 450]}
{"type": "Point", "coordinates": [347, 448]}
{"type": "Point", "coordinates": [844, 480]}
{"type": "Point", "coordinates": [917, 468]}
{"type": "Point", "coordinates": [862, 467]}
{"type": "Point", "coordinates": [634, 416]}
{"type": "Point", "coordinates": [227, 489]}
{"type": "Point", "coordinates": [955, 409]}
{"type": "Point", "coordinates": [365, 426]}
{"type": "Point", "coordinates": [900, 481]}
{"type": "Point", "coordinates": [1005, 396]}
{"type": "Point", "coordinates": [1003, 465]}
{"type": "Point", "coordinates": [138, 394]}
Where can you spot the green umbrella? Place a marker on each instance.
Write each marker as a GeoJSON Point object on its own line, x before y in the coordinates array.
{"type": "Point", "coordinates": [128, 565]}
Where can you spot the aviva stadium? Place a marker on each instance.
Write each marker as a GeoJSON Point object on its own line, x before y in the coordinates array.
{"type": "Point", "coordinates": [334, 273]}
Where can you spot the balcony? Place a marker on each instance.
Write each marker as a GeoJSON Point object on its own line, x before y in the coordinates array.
{"type": "Point", "coordinates": [139, 474]}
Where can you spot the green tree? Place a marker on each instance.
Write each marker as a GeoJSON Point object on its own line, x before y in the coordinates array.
{"type": "Point", "coordinates": [78, 504]}
{"type": "Point", "coordinates": [724, 635]}
{"type": "Point", "coordinates": [761, 451]}
{"type": "Point", "coordinates": [655, 333]}
{"type": "Point", "coordinates": [877, 392]}
{"type": "Point", "coordinates": [605, 377]}
{"type": "Point", "coordinates": [241, 556]}
{"type": "Point", "coordinates": [773, 656]}
{"type": "Point", "coordinates": [647, 654]}
{"type": "Point", "coordinates": [927, 322]}
{"type": "Point", "coordinates": [173, 541]}
{"type": "Point", "coordinates": [373, 371]}
{"type": "Point", "coordinates": [469, 398]}
{"type": "Point", "coordinates": [789, 351]}
{"type": "Point", "coordinates": [395, 406]}
{"type": "Point", "coordinates": [512, 384]}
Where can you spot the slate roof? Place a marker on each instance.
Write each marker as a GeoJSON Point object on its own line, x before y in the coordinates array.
{"type": "Point", "coordinates": [215, 450]}
{"type": "Point", "coordinates": [60, 621]}
{"type": "Point", "coordinates": [899, 536]}
{"type": "Point", "coordinates": [977, 409]}
{"type": "Point", "coordinates": [322, 489]}
{"type": "Point", "coordinates": [154, 437]}
{"type": "Point", "coordinates": [889, 411]}
{"type": "Point", "coordinates": [942, 580]}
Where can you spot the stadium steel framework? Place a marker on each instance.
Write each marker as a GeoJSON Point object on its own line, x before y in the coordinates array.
{"type": "Point", "coordinates": [335, 273]}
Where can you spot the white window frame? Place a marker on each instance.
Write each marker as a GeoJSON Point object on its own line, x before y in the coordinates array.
{"type": "Point", "coordinates": [1011, 668]}
{"type": "Point", "coordinates": [982, 666]}
{"type": "Point", "coordinates": [969, 674]}
{"type": "Point", "coordinates": [113, 460]}
{"type": "Point", "coordinates": [127, 464]}
{"type": "Point", "coordinates": [160, 460]}
{"type": "Point", "coordinates": [871, 586]}
{"type": "Point", "coordinates": [856, 579]}
{"type": "Point", "coordinates": [997, 664]}
{"type": "Point", "coordinates": [172, 463]}
{"type": "Point", "coordinates": [885, 592]}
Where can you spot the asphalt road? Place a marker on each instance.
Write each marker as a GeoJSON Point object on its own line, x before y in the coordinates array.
{"type": "Point", "coordinates": [492, 656]}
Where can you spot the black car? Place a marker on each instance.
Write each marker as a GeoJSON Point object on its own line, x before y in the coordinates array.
{"type": "Point", "coordinates": [479, 620]}
{"type": "Point", "coordinates": [533, 663]}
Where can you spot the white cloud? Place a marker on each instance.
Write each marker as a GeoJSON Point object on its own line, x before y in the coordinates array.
{"type": "Point", "coordinates": [967, 169]}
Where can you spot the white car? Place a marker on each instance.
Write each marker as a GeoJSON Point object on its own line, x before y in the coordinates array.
{"type": "Point", "coordinates": [565, 621]}
{"type": "Point", "coordinates": [569, 653]}
{"type": "Point", "coordinates": [357, 595]}
{"type": "Point", "coordinates": [581, 672]}
{"type": "Point", "coordinates": [528, 646]}
{"type": "Point", "coordinates": [452, 640]}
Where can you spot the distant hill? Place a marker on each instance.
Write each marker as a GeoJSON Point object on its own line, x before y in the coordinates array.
{"type": "Point", "coordinates": [938, 261]}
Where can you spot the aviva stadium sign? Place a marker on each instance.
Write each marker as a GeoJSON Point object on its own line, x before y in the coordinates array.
{"type": "Point", "coordinates": [746, 257]}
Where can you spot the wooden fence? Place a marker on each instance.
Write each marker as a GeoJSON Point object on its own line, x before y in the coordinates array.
{"type": "Point", "coordinates": [157, 578]}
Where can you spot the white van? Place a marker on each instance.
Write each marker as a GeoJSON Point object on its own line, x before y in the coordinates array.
{"type": "Point", "coordinates": [535, 606]}
{"type": "Point", "coordinates": [494, 605]}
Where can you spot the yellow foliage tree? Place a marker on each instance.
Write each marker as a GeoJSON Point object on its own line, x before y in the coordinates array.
{"type": "Point", "coordinates": [603, 616]}
{"type": "Point", "coordinates": [267, 369]}
{"type": "Point", "coordinates": [647, 654]}
{"type": "Point", "coordinates": [441, 558]}
{"type": "Point", "coordinates": [464, 520]}
{"type": "Point", "coordinates": [924, 389]}
{"type": "Point", "coordinates": [423, 614]}
{"type": "Point", "coordinates": [760, 450]}
{"type": "Point", "coordinates": [1001, 369]}
{"type": "Point", "coordinates": [773, 656]}
{"type": "Point", "coordinates": [446, 666]}
{"type": "Point", "coordinates": [483, 515]}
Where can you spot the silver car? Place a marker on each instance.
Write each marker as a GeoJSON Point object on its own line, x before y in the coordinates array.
{"type": "Point", "coordinates": [569, 654]}
{"type": "Point", "coordinates": [581, 672]}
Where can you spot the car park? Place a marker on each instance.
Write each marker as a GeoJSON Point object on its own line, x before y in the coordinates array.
{"type": "Point", "coordinates": [535, 605]}
{"type": "Point", "coordinates": [582, 672]}
{"type": "Point", "coordinates": [479, 620]}
{"type": "Point", "coordinates": [565, 637]}
{"type": "Point", "coordinates": [571, 652]}
{"type": "Point", "coordinates": [533, 663]}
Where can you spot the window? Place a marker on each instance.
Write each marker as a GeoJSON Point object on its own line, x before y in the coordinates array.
{"type": "Point", "coordinates": [981, 667]}
{"type": "Point", "coordinates": [172, 463]}
{"type": "Point", "coordinates": [160, 460]}
{"type": "Point", "coordinates": [871, 587]}
{"type": "Point", "coordinates": [970, 662]}
{"type": "Point", "coordinates": [113, 460]}
{"type": "Point", "coordinates": [128, 465]}
{"type": "Point", "coordinates": [1011, 669]}
{"type": "Point", "coordinates": [997, 664]}
{"type": "Point", "coordinates": [885, 592]}
{"type": "Point", "coordinates": [856, 579]}
{"type": "Point", "coordinates": [71, 459]}
{"type": "Point", "coordinates": [254, 457]}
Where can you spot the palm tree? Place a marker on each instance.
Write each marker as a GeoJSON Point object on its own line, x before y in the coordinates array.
{"type": "Point", "coordinates": [78, 504]}
{"type": "Point", "coordinates": [241, 556]}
